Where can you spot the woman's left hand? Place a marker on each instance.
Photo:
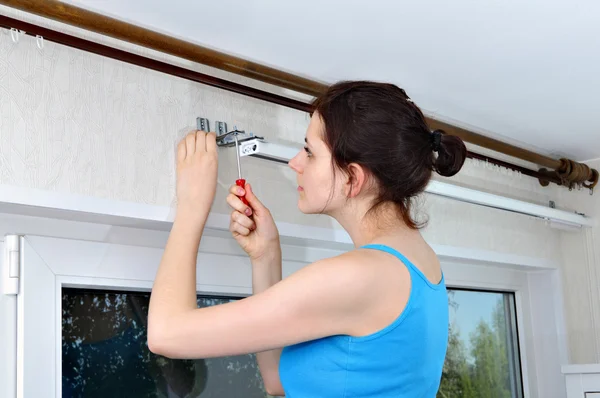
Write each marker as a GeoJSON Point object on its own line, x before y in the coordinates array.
{"type": "Point", "coordinates": [197, 163]}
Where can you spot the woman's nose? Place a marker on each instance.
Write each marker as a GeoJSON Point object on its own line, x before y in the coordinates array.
{"type": "Point", "coordinates": [294, 163]}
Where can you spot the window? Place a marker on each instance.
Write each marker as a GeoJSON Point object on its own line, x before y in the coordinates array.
{"type": "Point", "coordinates": [482, 359]}
{"type": "Point", "coordinates": [104, 351]}
{"type": "Point", "coordinates": [105, 354]}
{"type": "Point", "coordinates": [56, 268]}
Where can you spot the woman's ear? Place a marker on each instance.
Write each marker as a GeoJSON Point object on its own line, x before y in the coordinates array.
{"type": "Point", "coordinates": [357, 179]}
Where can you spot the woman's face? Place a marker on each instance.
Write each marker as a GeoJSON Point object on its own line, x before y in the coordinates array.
{"type": "Point", "coordinates": [319, 189]}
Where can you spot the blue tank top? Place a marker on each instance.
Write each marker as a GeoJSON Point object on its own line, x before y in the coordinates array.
{"type": "Point", "coordinates": [404, 359]}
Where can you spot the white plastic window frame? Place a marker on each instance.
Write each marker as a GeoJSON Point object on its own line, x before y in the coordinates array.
{"type": "Point", "coordinates": [8, 337]}
{"type": "Point", "coordinates": [49, 264]}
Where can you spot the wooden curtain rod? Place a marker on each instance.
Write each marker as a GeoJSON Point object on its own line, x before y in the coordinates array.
{"type": "Point", "coordinates": [99, 23]}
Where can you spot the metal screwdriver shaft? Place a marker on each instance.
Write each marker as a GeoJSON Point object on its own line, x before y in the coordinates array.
{"type": "Point", "coordinates": [240, 182]}
{"type": "Point", "coordinates": [237, 156]}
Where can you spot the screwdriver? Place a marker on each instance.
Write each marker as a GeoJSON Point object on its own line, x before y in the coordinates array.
{"type": "Point", "coordinates": [240, 182]}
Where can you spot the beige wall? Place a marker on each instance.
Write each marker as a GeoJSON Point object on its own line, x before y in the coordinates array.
{"type": "Point", "coordinates": [581, 278]}
{"type": "Point", "coordinates": [77, 122]}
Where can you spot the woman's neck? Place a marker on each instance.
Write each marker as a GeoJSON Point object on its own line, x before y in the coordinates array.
{"type": "Point", "coordinates": [380, 226]}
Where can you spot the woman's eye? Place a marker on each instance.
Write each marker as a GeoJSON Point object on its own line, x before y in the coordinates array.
{"type": "Point", "coordinates": [307, 151]}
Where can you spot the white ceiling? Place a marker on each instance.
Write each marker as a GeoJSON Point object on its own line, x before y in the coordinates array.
{"type": "Point", "coordinates": [522, 71]}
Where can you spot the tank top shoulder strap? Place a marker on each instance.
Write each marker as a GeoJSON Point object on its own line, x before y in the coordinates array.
{"type": "Point", "coordinates": [411, 267]}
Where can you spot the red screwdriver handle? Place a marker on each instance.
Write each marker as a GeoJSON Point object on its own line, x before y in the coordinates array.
{"type": "Point", "coordinates": [242, 183]}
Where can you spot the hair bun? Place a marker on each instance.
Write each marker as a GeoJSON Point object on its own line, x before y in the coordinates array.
{"type": "Point", "coordinates": [451, 153]}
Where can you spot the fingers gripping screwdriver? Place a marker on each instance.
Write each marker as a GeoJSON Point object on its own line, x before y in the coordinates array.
{"type": "Point", "coordinates": [240, 182]}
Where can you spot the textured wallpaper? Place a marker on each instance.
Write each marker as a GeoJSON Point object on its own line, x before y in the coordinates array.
{"type": "Point", "coordinates": [76, 122]}
{"type": "Point", "coordinates": [581, 279]}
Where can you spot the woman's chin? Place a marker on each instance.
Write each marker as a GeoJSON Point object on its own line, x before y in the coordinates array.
{"type": "Point", "coordinates": [306, 209]}
{"type": "Point", "coordinates": [303, 206]}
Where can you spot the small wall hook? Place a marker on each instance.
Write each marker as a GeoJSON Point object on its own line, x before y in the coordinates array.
{"type": "Point", "coordinates": [14, 35]}
{"type": "Point", "coordinates": [39, 41]}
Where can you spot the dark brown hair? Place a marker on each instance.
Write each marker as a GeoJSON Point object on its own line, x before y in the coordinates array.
{"type": "Point", "coordinates": [377, 126]}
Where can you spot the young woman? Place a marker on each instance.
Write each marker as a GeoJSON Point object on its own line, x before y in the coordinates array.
{"type": "Point", "coordinates": [372, 322]}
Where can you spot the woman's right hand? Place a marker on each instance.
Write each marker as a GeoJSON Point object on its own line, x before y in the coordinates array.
{"type": "Point", "coordinates": [252, 226]}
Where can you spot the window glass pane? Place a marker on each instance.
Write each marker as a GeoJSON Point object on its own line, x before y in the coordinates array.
{"type": "Point", "coordinates": [105, 354]}
{"type": "Point", "coordinates": [482, 359]}
{"type": "Point", "coordinates": [104, 351]}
